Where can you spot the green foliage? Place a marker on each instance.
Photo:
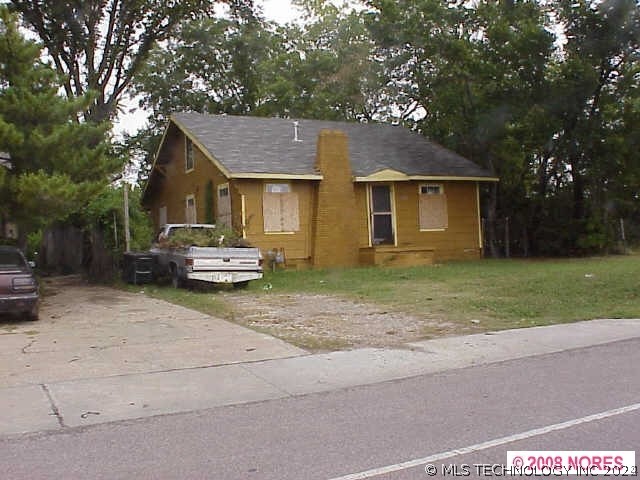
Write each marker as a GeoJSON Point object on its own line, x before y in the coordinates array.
{"type": "Point", "coordinates": [34, 241]}
{"type": "Point", "coordinates": [99, 46]}
{"type": "Point", "coordinates": [555, 118]}
{"type": "Point", "coordinates": [106, 211]}
{"type": "Point", "coordinates": [593, 237]}
{"type": "Point", "coordinates": [249, 66]}
{"type": "Point", "coordinates": [58, 163]}
{"type": "Point", "coordinates": [221, 236]}
{"type": "Point", "coordinates": [545, 116]}
{"type": "Point", "coordinates": [51, 196]}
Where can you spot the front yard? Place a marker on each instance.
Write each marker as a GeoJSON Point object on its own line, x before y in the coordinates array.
{"type": "Point", "coordinates": [348, 308]}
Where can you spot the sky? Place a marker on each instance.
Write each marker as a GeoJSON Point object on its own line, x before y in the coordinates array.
{"type": "Point", "coordinates": [277, 10]}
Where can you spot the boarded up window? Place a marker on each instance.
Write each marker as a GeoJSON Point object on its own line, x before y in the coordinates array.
{"type": "Point", "coordinates": [433, 208]}
{"type": "Point", "coordinates": [280, 212]}
{"type": "Point", "coordinates": [277, 188]}
{"type": "Point", "coordinates": [224, 205]}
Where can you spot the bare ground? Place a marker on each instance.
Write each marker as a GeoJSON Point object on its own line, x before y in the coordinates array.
{"type": "Point", "coordinates": [310, 321]}
{"type": "Point", "coordinates": [324, 322]}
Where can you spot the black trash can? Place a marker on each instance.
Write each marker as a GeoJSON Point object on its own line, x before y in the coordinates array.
{"type": "Point", "coordinates": [137, 268]}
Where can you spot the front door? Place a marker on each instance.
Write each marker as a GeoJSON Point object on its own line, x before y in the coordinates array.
{"type": "Point", "coordinates": [381, 215]}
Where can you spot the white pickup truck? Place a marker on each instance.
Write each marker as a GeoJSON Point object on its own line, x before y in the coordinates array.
{"type": "Point", "coordinates": [236, 265]}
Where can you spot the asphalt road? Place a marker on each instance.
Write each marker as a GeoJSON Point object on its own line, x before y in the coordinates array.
{"type": "Point", "coordinates": [336, 434]}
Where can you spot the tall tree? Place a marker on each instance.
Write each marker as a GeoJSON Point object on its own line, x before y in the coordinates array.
{"type": "Point", "coordinates": [246, 65]}
{"type": "Point", "coordinates": [57, 163]}
{"type": "Point", "coordinates": [207, 65]}
{"type": "Point", "coordinates": [597, 75]}
{"type": "Point", "coordinates": [98, 46]}
{"type": "Point", "coordinates": [466, 75]}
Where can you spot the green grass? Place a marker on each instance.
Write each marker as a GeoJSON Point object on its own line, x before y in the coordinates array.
{"type": "Point", "coordinates": [499, 293]}
{"type": "Point", "coordinates": [204, 301]}
{"type": "Point", "coordinates": [495, 294]}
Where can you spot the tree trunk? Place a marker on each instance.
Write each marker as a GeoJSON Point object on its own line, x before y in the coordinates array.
{"type": "Point", "coordinates": [578, 194]}
{"type": "Point", "coordinates": [536, 210]}
{"type": "Point", "coordinates": [491, 221]}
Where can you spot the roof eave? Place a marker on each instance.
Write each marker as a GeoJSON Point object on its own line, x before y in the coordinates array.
{"type": "Point", "coordinates": [201, 147]}
{"type": "Point", "coordinates": [155, 161]}
{"type": "Point", "coordinates": [275, 176]}
{"type": "Point", "coordinates": [406, 178]}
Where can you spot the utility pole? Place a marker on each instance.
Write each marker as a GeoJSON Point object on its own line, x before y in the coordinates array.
{"type": "Point", "coordinates": [127, 235]}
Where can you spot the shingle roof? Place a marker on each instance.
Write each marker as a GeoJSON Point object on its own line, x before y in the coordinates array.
{"type": "Point", "coordinates": [266, 145]}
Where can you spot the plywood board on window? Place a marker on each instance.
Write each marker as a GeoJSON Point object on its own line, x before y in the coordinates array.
{"type": "Point", "coordinates": [281, 212]}
{"type": "Point", "coordinates": [290, 212]}
{"type": "Point", "coordinates": [433, 212]}
{"type": "Point", "coordinates": [271, 212]}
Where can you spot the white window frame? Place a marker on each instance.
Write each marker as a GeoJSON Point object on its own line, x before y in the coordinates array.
{"type": "Point", "coordinates": [186, 209]}
{"type": "Point", "coordinates": [431, 186]}
{"type": "Point", "coordinates": [189, 156]}
{"type": "Point", "coordinates": [371, 214]}
{"type": "Point", "coordinates": [223, 187]}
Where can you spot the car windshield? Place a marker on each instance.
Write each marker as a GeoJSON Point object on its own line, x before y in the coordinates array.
{"type": "Point", "coordinates": [11, 259]}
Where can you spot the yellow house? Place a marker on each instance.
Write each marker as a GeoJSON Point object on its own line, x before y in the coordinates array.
{"type": "Point", "coordinates": [321, 194]}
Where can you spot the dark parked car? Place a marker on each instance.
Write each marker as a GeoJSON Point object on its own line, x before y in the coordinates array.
{"type": "Point", "coordinates": [18, 287]}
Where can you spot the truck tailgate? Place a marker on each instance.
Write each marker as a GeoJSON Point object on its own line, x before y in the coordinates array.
{"type": "Point", "coordinates": [225, 259]}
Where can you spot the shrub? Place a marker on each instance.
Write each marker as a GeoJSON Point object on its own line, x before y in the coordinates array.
{"type": "Point", "coordinates": [203, 237]}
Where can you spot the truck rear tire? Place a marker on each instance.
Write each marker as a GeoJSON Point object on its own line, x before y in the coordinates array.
{"type": "Point", "coordinates": [176, 281]}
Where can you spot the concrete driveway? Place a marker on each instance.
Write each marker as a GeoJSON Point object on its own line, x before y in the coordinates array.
{"type": "Point", "coordinates": [100, 355]}
{"type": "Point", "coordinates": [88, 331]}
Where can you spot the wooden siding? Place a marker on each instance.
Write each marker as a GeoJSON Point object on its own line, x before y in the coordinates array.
{"type": "Point", "coordinates": [460, 240]}
{"type": "Point", "coordinates": [175, 184]}
{"type": "Point", "coordinates": [456, 242]}
{"type": "Point", "coordinates": [297, 245]}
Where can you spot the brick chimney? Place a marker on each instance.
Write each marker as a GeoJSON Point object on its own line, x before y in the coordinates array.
{"type": "Point", "coordinates": [335, 242]}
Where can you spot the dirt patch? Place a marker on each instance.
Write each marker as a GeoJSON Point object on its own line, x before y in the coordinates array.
{"type": "Point", "coordinates": [323, 322]}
